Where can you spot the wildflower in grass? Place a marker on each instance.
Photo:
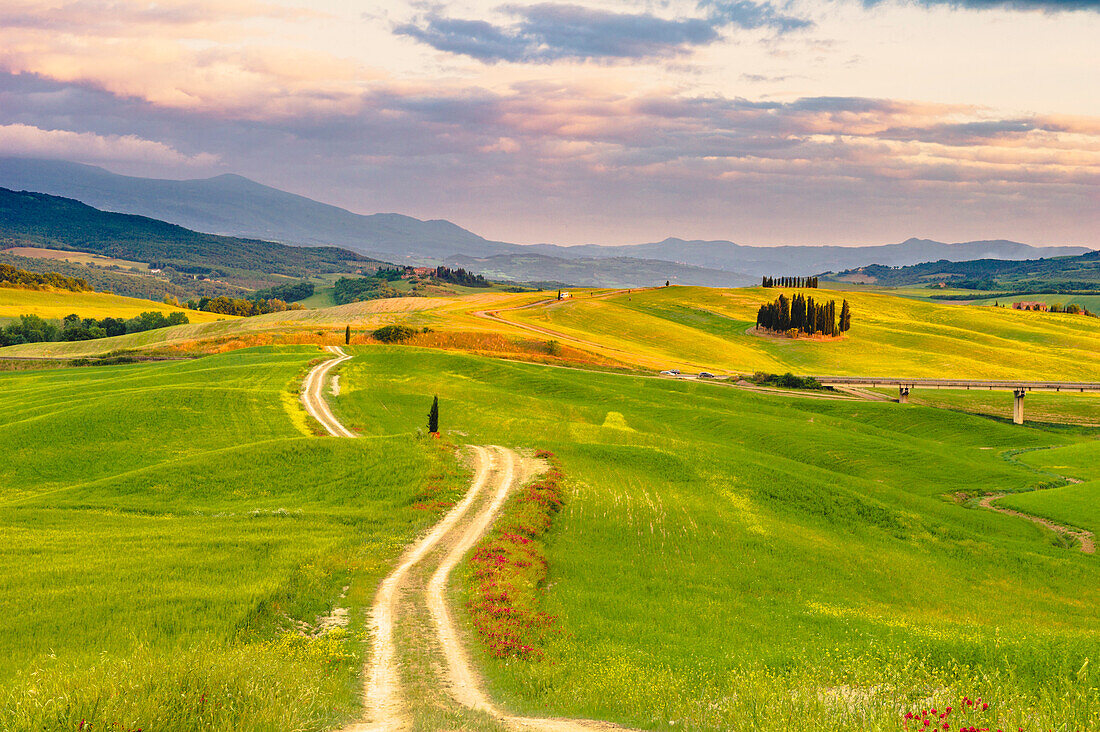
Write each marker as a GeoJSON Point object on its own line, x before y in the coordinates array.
{"type": "Point", "coordinates": [509, 568]}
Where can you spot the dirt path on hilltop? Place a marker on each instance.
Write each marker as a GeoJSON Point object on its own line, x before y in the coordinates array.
{"type": "Point", "coordinates": [1088, 544]}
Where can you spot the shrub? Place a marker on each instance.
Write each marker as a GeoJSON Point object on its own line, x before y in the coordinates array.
{"type": "Point", "coordinates": [393, 333]}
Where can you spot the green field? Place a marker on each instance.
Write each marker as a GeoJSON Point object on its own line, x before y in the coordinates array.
{"type": "Point", "coordinates": [166, 526]}
{"type": "Point", "coordinates": [1076, 504]}
{"type": "Point", "coordinates": [732, 560]}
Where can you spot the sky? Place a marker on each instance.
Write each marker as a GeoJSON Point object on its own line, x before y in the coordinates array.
{"type": "Point", "coordinates": [590, 121]}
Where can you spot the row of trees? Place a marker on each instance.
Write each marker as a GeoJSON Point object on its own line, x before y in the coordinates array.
{"type": "Point", "coordinates": [237, 306]}
{"type": "Point", "coordinates": [801, 314]}
{"type": "Point", "coordinates": [287, 293]}
{"type": "Point", "coordinates": [460, 277]}
{"type": "Point", "coordinates": [15, 277]}
{"type": "Point", "coordinates": [788, 281]}
{"type": "Point", "coordinates": [34, 329]}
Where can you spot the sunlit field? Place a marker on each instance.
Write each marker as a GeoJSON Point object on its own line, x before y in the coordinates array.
{"type": "Point", "coordinates": [174, 531]}
{"type": "Point", "coordinates": [56, 304]}
{"type": "Point", "coordinates": [687, 327]}
{"type": "Point", "coordinates": [730, 560]}
{"type": "Point", "coordinates": [694, 327]}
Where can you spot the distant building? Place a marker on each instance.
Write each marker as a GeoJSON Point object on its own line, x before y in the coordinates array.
{"type": "Point", "coordinates": [1030, 305]}
{"type": "Point", "coordinates": [562, 294]}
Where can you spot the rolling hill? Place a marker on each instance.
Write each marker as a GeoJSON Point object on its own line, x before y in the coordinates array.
{"type": "Point", "coordinates": [690, 328]}
{"type": "Point", "coordinates": [1066, 272]}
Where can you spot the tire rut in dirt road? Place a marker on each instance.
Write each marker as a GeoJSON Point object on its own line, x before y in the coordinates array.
{"type": "Point", "coordinates": [313, 398]}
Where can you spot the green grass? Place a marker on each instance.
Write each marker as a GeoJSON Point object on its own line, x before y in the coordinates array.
{"type": "Point", "coordinates": [1076, 504]}
{"type": "Point", "coordinates": [166, 524]}
{"type": "Point", "coordinates": [731, 560]}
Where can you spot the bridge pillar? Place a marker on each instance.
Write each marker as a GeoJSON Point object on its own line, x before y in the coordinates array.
{"type": "Point", "coordinates": [1018, 405]}
{"type": "Point", "coordinates": [903, 395]}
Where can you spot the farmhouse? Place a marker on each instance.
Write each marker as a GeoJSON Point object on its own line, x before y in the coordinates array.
{"type": "Point", "coordinates": [1030, 305]}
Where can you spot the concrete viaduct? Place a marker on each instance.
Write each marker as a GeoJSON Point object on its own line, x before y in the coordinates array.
{"type": "Point", "coordinates": [1018, 388]}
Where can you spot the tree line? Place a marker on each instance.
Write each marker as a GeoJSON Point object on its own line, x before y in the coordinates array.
{"type": "Point", "coordinates": [238, 306]}
{"type": "Point", "coordinates": [800, 314]}
{"type": "Point", "coordinates": [14, 277]}
{"type": "Point", "coordinates": [35, 329]}
{"type": "Point", "coordinates": [287, 293]}
{"type": "Point", "coordinates": [460, 277]}
{"type": "Point", "coordinates": [766, 281]}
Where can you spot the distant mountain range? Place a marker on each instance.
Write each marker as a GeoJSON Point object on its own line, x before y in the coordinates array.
{"type": "Point", "coordinates": [1054, 274]}
{"type": "Point", "coordinates": [190, 261]}
{"type": "Point", "coordinates": [234, 206]}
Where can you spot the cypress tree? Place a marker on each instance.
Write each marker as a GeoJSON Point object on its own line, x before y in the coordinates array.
{"type": "Point", "coordinates": [347, 335]}
{"type": "Point", "coordinates": [845, 317]}
{"type": "Point", "coordinates": [433, 416]}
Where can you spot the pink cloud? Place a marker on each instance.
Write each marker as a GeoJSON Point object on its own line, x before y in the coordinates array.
{"type": "Point", "coordinates": [29, 141]}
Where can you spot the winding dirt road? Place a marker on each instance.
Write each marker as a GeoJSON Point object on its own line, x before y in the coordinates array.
{"type": "Point", "coordinates": [420, 582]}
{"type": "Point", "coordinates": [313, 398]}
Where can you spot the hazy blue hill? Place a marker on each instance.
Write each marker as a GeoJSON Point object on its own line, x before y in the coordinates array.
{"type": "Point", "coordinates": [38, 219]}
{"type": "Point", "coordinates": [236, 206]}
{"type": "Point", "coordinates": [1081, 272]}
{"type": "Point", "coordinates": [599, 272]}
{"type": "Point", "coordinates": [811, 259]}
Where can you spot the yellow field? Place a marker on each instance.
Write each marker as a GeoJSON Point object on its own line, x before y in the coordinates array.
{"type": "Point", "coordinates": [59, 303]}
{"type": "Point", "coordinates": [695, 328]}
{"type": "Point", "coordinates": [692, 328]}
{"type": "Point", "coordinates": [78, 257]}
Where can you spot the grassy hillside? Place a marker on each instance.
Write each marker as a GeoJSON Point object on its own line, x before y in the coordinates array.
{"type": "Point", "coordinates": [890, 336]}
{"type": "Point", "coordinates": [1076, 504]}
{"type": "Point", "coordinates": [168, 528]}
{"type": "Point", "coordinates": [1082, 270]}
{"type": "Point", "coordinates": [57, 304]}
{"type": "Point", "coordinates": [701, 328]}
{"type": "Point", "coordinates": [735, 561]}
{"type": "Point", "coordinates": [39, 220]}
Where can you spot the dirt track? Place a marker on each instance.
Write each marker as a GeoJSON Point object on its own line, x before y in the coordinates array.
{"type": "Point", "coordinates": [407, 590]}
{"type": "Point", "coordinates": [1088, 544]}
{"type": "Point", "coordinates": [313, 397]}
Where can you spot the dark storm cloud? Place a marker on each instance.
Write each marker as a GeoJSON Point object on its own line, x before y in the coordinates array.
{"type": "Point", "coordinates": [550, 32]}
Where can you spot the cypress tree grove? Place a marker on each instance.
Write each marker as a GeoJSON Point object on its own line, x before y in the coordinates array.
{"type": "Point", "coordinates": [433, 416]}
{"type": "Point", "coordinates": [801, 313]}
{"type": "Point", "coordinates": [767, 281]}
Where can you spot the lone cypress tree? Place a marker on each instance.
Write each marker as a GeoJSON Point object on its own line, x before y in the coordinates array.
{"type": "Point", "coordinates": [347, 335]}
{"type": "Point", "coordinates": [433, 416]}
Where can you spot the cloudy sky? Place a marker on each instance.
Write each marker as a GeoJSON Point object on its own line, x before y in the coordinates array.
{"type": "Point", "coordinates": [590, 121]}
